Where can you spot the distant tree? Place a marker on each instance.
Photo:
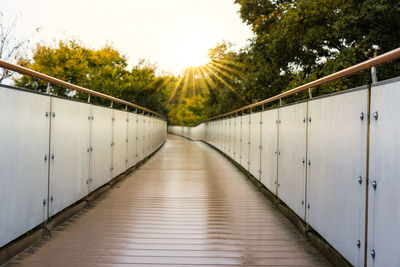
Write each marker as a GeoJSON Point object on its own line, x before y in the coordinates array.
{"type": "Point", "coordinates": [189, 111]}
{"type": "Point", "coordinates": [103, 70]}
{"type": "Point", "coordinates": [11, 48]}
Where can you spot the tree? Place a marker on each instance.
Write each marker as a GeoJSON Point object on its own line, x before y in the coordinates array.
{"type": "Point", "coordinates": [189, 111]}
{"type": "Point", "coordinates": [10, 47]}
{"type": "Point", "coordinates": [306, 39]}
{"type": "Point", "coordinates": [102, 70]}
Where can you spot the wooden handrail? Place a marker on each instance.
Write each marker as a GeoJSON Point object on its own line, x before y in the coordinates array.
{"type": "Point", "coordinates": [47, 78]}
{"type": "Point", "coordinates": [379, 60]}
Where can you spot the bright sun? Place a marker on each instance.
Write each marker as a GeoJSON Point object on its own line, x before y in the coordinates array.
{"type": "Point", "coordinates": [193, 52]}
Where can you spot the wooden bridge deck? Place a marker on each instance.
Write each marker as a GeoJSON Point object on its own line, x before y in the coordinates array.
{"type": "Point", "coordinates": [186, 206]}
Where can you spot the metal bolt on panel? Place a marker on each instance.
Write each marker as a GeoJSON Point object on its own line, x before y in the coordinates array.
{"type": "Point", "coordinates": [374, 184]}
{"type": "Point", "coordinates": [376, 115]}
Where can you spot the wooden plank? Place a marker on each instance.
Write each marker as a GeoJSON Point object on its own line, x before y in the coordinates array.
{"type": "Point", "coordinates": [187, 205]}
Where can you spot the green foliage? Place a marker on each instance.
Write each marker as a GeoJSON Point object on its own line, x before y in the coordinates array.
{"type": "Point", "coordinates": [295, 42]}
{"type": "Point", "coordinates": [101, 70]}
{"type": "Point", "coordinates": [299, 41]}
{"type": "Point", "coordinates": [189, 111]}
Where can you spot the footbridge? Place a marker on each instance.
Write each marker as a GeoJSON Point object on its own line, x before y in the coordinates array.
{"type": "Point", "coordinates": [311, 183]}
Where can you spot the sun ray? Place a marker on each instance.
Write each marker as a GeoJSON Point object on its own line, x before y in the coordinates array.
{"type": "Point", "coordinates": [203, 84]}
{"type": "Point", "coordinates": [226, 84]}
{"type": "Point", "coordinates": [210, 82]}
{"type": "Point", "coordinates": [231, 62]}
{"type": "Point", "coordinates": [165, 82]}
{"type": "Point", "coordinates": [175, 89]}
{"type": "Point", "coordinates": [184, 88]}
{"type": "Point", "coordinates": [226, 68]}
{"type": "Point", "coordinates": [223, 73]}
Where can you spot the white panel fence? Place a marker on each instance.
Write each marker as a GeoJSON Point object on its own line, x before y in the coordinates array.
{"type": "Point", "coordinates": [54, 152]}
{"type": "Point", "coordinates": [313, 157]}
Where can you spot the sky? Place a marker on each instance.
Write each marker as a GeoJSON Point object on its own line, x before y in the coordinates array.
{"type": "Point", "coordinates": [173, 34]}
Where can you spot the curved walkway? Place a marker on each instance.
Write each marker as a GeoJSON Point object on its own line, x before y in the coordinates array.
{"type": "Point", "coordinates": [186, 206]}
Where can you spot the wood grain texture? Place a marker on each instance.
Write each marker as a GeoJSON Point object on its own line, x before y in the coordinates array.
{"type": "Point", "coordinates": [186, 206]}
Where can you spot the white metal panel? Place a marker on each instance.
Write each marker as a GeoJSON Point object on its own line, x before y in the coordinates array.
{"type": "Point", "coordinates": [69, 150]}
{"type": "Point", "coordinates": [208, 132]}
{"type": "Point", "coordinates": [238, 138]}
{"type": "Point", "coordinates": [217, 133]}
{"type": "Point", "coordinates": [146, 140]}
{"type": "Point", "coordinates": [119, 148]}
{"type": "Point", "coordinates": [225, 136]}
{"type": "Point", "coordinates": [213, 132]}
{"type": "Point", "coordinates": [152, 128]}
{"type": "Point", "coordinates": [255, 144]}
{"type": "Point", "coordinates": [384, 201]}
{"type": "Point", "coordinates": [337, 153]}
{"type": "Point", "coordinates": [158, 132]}
{"type": "Point", "coordinates": [140, 138]}
{"type": "Point", "coordinates": [24, 141]}
{"type": "Point", "coordinates": [132, 134]}
{"type": "Point", "coordinates": [149, 125]}
{"type": "Point", "coordinates": [198, 132]}
{"type": "Point", "coordinates": [245, 144]}
{"type": "Point", "coordinates": [220, 135]}
{"type": "Point", "coordinates": [232, 139]}
{"type": "Point", "coordinates": [292, 157]}
{"type": "Point", "coordinates": [146, 144]}
{"type": "Point", "coordinates": [101, 139]}
{"type": "Point", "coordinates": [269, 139]}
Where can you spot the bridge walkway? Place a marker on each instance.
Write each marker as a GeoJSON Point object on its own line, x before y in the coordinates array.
{"type": "Point", "coordinates": [186, 206]}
